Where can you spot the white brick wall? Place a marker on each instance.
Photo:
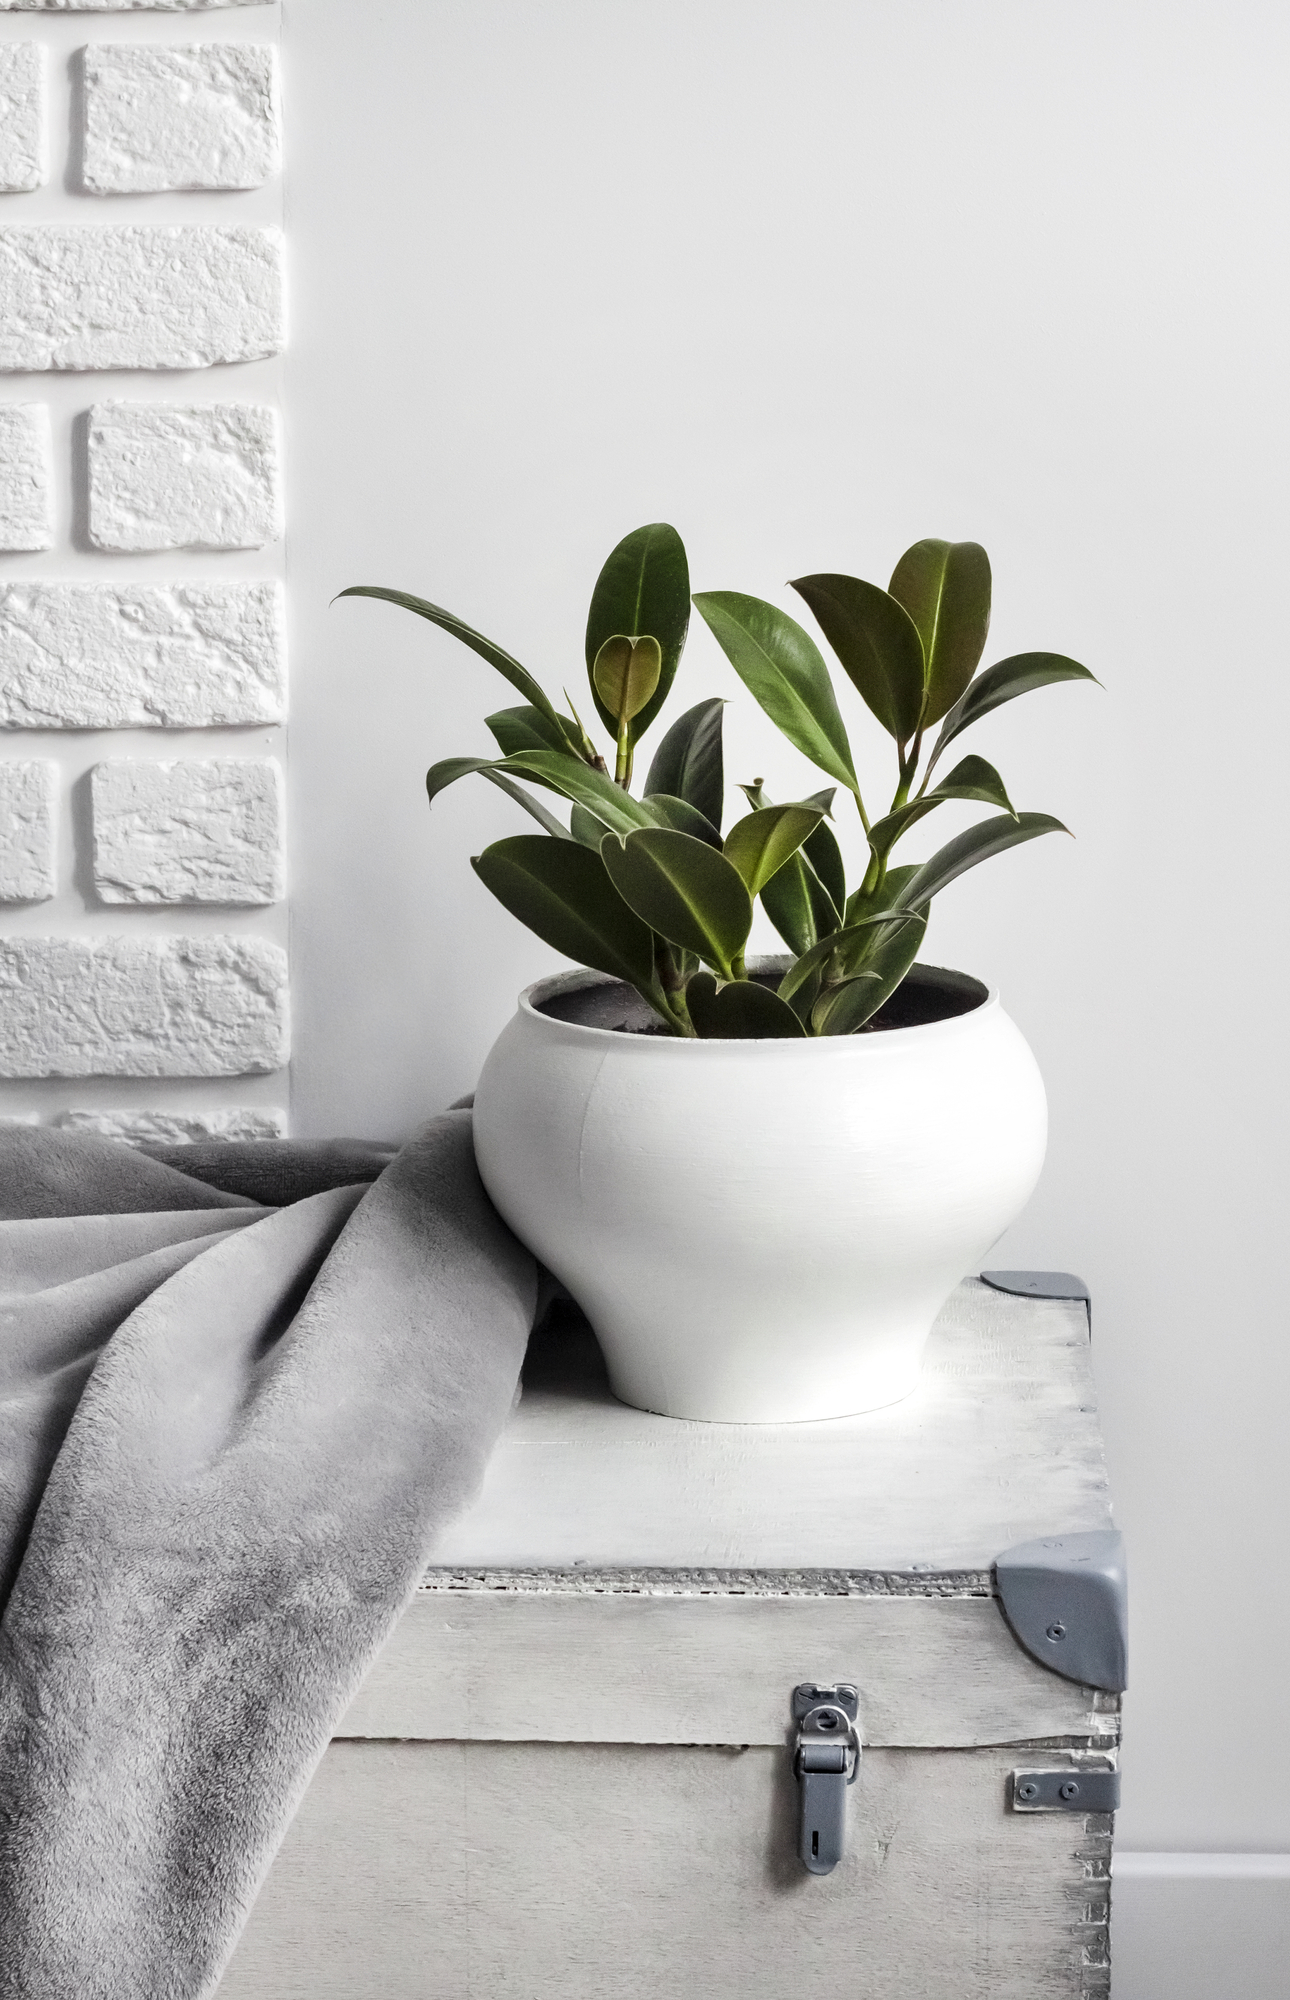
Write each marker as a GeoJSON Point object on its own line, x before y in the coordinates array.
{"type": "Point", "coordinates": [22, 116]}
{"type": "Point", "coordinates": [98, 656]}
{"type": "Point", "coordinates": [157, 117]}
{"type": "Point", "coordinates": [26, 509]}
{"type": "Point", "coordinates": [196, 831]}
{"type": "Point", "coordinates": [27, 832]}
{"type": "Point", "coordinates": [176, 1128]}
{"type": "Point", "coordinates": [119, 1006]}
{"type": "Point", "coordinates": [183, 476]}
{"type": "Point", "coordinates": [138, 297]}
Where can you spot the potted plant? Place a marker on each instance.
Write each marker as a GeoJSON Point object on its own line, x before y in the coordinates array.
{"type": "Point", "coordinates": [760, 1178]}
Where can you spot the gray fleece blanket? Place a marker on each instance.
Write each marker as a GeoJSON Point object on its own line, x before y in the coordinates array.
{"type": "Point", "coordinates": [241, 1388]}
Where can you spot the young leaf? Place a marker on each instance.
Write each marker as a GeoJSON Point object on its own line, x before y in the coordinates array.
{"type": "Point", "coordinates": [742, 1011]}
{"type": "Point", "coordinates": [979, 843]}
{"type": "Point", "coordinates": [1004, 682]}
{"type": "Point", "coordinates": [688, 763]}
{"type": "Point", "coordinates": [782, 666]}
{"type": "Point", "coordinates": [643, 588]}
{"type": "Point", "coordinates": [842, 1010]}
{"type": "Point", "coordinates": [519, 677]}
{"type": "Point", "coordinates": [561, 890]}
{"type": "Point", "coordinates": [685, 891]}
{"type": "Point", "coordinates": [682, 818]}
{"type": "Point", "coordinates": [515, 729]}
{"type": "Point", "coordinates": [877, 642]}
{"type": "Point", "coordinates": [971, 778]}
{"type": "Point", "coordinates": [624, 675]}
{"type": "Point", "coordinates": [945, 588]}
{"type": "Point", "coordinates": [585, 786]}
{"type": "Point", "coordinates": [449, 769]}
{"type": "Point", "coordinates": [761, 842]}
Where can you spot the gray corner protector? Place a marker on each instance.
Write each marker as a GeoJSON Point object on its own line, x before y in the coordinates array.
{"type": "Point", "coordinates": [1066, 1598]}
{"type": "Point", "coordinates": [1042, 1285]}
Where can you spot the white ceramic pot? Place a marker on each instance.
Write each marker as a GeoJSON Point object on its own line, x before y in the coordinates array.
{"type": "Point", "coordinates": [759, 1232]}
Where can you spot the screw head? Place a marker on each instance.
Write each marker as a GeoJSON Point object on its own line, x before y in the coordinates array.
{"type": "Point", "coordinates": [1070, 1790]}
{"type": "Point", "coordinates": [1056, 1631]}
{"type": "Point", "coordinates": [1029, 1790]}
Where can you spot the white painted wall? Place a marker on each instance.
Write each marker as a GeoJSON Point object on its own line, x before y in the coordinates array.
{"type": "Point", "coordinates": [812, 280]}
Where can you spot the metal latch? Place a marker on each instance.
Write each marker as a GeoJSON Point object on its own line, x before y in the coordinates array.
{"type": "Point", "coordinates": [826, 1759]}
{"type": "Point", "coordinates": [1076, 1791]}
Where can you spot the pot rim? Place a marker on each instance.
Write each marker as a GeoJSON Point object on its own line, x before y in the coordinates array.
{"type": "Point", "coordinates": [659, 1045]}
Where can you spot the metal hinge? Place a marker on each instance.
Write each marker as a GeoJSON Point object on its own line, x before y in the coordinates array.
{"type": "Point", "coordinates": [826, 1759]}
{"type": "Point", "coordinates": [1076, 1791]}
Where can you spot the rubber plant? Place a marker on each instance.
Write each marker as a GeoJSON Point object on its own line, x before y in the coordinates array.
{"type": "Point", "coordinates": [647, 888]}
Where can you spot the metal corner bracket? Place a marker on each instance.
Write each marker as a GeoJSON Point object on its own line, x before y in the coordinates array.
{"type": "Point", "coordinates": [1066, 1599]}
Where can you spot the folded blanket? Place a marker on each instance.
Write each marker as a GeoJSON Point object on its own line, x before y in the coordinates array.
{"type": "Point", "coordinates": [229, 1434]}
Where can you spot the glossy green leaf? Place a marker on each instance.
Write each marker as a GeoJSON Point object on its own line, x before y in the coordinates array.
{"type": "Point", "coordinates": [519, 677]}
{"type": "Point", "coordinates": [743, 1011]}
{"type": "Point", "coordinates": [945, 588]}
{"type": "Point", "coordinates": [644, 587]}
{"type": "Point", "coordinates": [761, 842]}
{"type": "Point", "coordinates": [681, 817]}
{"type": "Point", "coordinates": [688, 762]}
{"type": "Point", "coordinates": [971, 778]}
{"type": "Point", "coordinates": [516, 729]}
{"type": "Point", "coordinates": [1004, 682]}
{"type": "Point", "coordinates": [979, 843]}
{"type": "Point", "coordinates": [844, 1009]}
{"type": "Point", "coordinates": [584, 786]}
{"type": "Point", "coordinates": [885, 897]}
{"type": "Point", "coordinates": [449, 769]}
{"type": "Point", "coordinates": [561, 890]}
{"type": "Point", "coordinates": [625, 674]}
{"type": "Point", "coordinates": [837, 941]}
{"type": "Point", "coordinates": [825, 856]}
{"type": "Point", "coordinates": [799, 905]}
{"type": "Point", "coordinates": [877, 642]}
{"type": "Point", "coordinates": [586, 828]}
{"type": "Point", "coordinates": [782, 666]}
{"type": "Point", "coordinates": [685, 890]}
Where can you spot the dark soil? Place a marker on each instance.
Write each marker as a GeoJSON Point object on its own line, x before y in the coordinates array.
{"type": "Point", "coordinates": [928, 993]}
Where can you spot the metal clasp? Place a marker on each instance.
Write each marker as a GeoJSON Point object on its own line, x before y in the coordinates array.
{"type": "Point", "coordinates": [826, 1759]}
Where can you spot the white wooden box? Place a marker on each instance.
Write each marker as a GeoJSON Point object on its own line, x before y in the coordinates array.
{"type": "Point", "coordinates": [570, 1771]}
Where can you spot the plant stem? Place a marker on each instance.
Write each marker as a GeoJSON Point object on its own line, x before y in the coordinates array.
{"type": "Point", "coordinates": [623, 763]}
{"type": "Point", "coordinates": [672, 987]}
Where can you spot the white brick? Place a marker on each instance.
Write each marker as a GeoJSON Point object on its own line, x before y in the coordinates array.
{"type": "Point", "coordinates": [195, 1006]}
{"type": "Point", "coordinates": [26, 832]}
{"type": "Point", "coordinates": [178, 656]}
{"type": "Point", "coordinates": [26, 503]}
{"type": "Point", "coordinates": [176, 297]}
{"type": "Point", "coordinates": [196, 831]}
{"type": "Point", "coordinates": [22, 116]}
{"type": "Point", "coordinates": [159, 117]}
{"type": "Point", "coordinates": [175, 1128]}
{"type": "Point", "coordinates": [183, 476]}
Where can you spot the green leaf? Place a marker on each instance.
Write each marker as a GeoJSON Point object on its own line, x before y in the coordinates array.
{"type": "Point", "coordinates": [761, 842]}
{"type": "Point", "coordinates": [844, 1009]}
{"type": "Point", "coordinates": [644, 587]}
{"type": "Point", "coordinates": [799, 905]}
{"type": "Point", "coordinates": [519, 677]}
{"type": "Point", "coordinates": [515, 729]}
{"type": "Point", "coordinates": [685, 891]}
{"type": "Point", "coordinates": [886, 897]}
{"type": "Point", "coordinates": [979, 843]}
{"type": "Point", "coordinates": [945, 588]}
{"type": "Point", "coordinates": [449, 769]}
{"type": "Point", "coordinates": [586, 828]}
{"type": "Point", "coordinates": [972, 778]}
{"type": "Point", "coordinates": [877, 642]}
{"type": "Point", "coordinates": [561, 890]}
{"type": "Point", "coordinates": [782, 666]}
{"type": "Point", "coordinates": [1004, 682]}
{"type": "Point", "coordinates": [825, 856]}
{"type": "Point", "coordinates": [742, 1011]}
{"type": "Point", "coordinates": [624, 675]}
{"type": "Point", "coordinates": [837, 941]}
{"type": "Point", "coordinates": [585, 786]}
{"type": "Point", "coordinates": [688, 762]}
{"type": "Point", "coordinates": [682, 818]}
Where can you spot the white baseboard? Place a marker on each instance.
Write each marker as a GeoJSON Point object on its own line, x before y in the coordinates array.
{"type": "Point", "coordinates": [1200, 1926]}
